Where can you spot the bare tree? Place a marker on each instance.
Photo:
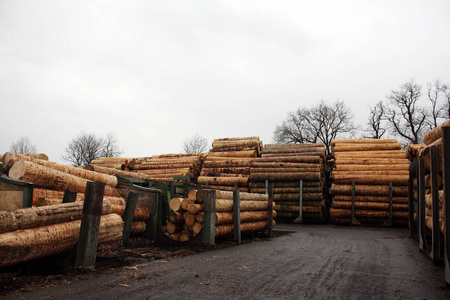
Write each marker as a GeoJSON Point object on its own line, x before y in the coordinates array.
{"type": "Point", "coordinates": [323, 122]}
{"type": "Point", "coordinates": [87, 147]}
{"type": "Point", "coordinates": [23, 146]}
{"type": "Point", "coordinates": [405, 117]}
{"type": "Point", "coordinates": [111, 146]}
{"type": "Point", "coordinates": [375, 124]}
{"type": "Point", "coordinates": [439, 96]}
{"type": "Point", "coordinates": [195, 144]}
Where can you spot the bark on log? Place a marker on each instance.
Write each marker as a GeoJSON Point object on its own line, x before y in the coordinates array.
{"type": "Point", "coordinates": [228, 188]}
{"type": "Point", "coordinates": [194, 209]}
{"type": "Point", "coordinates": [435, 134]}
{"type": "Point", "coordinates": [116, 172]}
{"type": "Point", "coordinates": [369, 190]}
{"type": "Point", "coordinates": [45, 177]}
{"type": "Point", "coordinates": [257, 164]}
{"type": "Point", "coordinates": [26, 245]}
{"type": "Point", "coordinates": [310, 153]}
{"type": "Point", "coordinates": [246, 216]}
{"type": "Point", "coordinates": [428, 201]}
{"type": "Point", "coordinates": [412, 151]}
{"type": "Point", "coordinates": [380, 199]}
{"type": "Point", "coordinates": [339, 173]}
{"type": "Point", "coordinates": [227, 205]}
{"type": "Point", "coordinates": [245, 147]}
{"type": "Point", "coordinates": [226, 163]}
{"type": "Point", "coordinates": [425, 152]}
{"type": "Point", "coordinates": [9, 158]}
{"type": "Point", "coordinates": [138, 227]}
{"type": "Point", "coordinates": [140, 214]}
{"type": "Point", "coordinates": [189, 219]}
{"type": "Point", "coordinates": [250, 153]}
{"type": "Point", "coordinates": [289, 190]}
{"type": "Point", "coordinates": [371, 161]}
{"type": "Point", "coordinates": [363, 167]}
{"type": "Point", "coordinates": [285, 170]}
{"type": "Point", "coordinates": [163, 166]}
{"type": "Point", "coordinates": [296, 196]}
{"type": "Point", "coordinates": [305, 203]}
{"type": "Point", "coordinates": [249, 227]}
{"type": "Point", "coordinates": [211, 174]}
{"type": "Point", "coordinates": [398, 154]}
{"type": "Point", "coordinates": [287, 184]}
{"type": "Point", "coordinates": [346, 213]}
{"type": "Point", "coordinates": [307, 176]}
{"type": "Point", "coordinates": [242, 171]}
{"type": "Point", "coordinates": [299, 159]}
{"type": "Point", "coordinates": [398, 180]}
{"type": "Point", "coordinates": [362, 141]}
{"type": "Point", "coordinates": [227, 195]}
{"type": "Point", "coordinates": [242, 181]}
{"type": "Point", "coordinates": [370, 205]}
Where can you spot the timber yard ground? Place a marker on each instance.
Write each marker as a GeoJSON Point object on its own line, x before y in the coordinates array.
{"type": "Point", "coordinates": [300, 262]}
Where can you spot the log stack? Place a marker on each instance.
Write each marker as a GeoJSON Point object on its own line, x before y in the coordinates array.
{"type": "Point", "coordinates": [431, 139]}
{"type": "Point", "coordinates": [285, 165]}
{"type": "Point", "coordinates": [37, 232]}
{"type": "Point", "coordinates": [186, 218]}
{"type": "Point", "coordinates": [118, 163]}
{"type": "Point", "coordinates": [228, 163]}
{"type": "Point", "coordinates": [165, 166]}
{"type": "Point", "coordinates": [371, 164]}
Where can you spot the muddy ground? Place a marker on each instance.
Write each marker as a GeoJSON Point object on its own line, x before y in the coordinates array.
{"type": "Point", "coordinates": [301, 261]}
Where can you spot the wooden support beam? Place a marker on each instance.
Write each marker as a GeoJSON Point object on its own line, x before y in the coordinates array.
{"type": "Point", "coordinates": [90, 224]}
{"type": "Point", "coordinates": [421, 202]}
{"type": "Point", "coordinates": [445, 133]}
{"type": "Point", "coordinates": [69, 196]}
{"type": "Point", "coordinates": [128, 215]}
{"type": "Point", "coordinates": [270, 211]}
{"type": "Point", "coordinates": [236, 216]}
{"type": "Point", "coordinates": [152, 222]}
{"type": "Point", "coordinates": [209, 216]}
{"type": "Point", "coordinates": [436, 230]}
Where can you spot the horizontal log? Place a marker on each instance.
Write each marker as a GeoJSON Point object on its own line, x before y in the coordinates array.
{"type": "Point", "coordinates": [26, 245]}
{"type": "Point", "coordinates": [228, 188]}
{"type": "Point", "coordinates": [370, 205]}
{"type": "Point", "coordinates": [140, 214]}
{"type": "Point", "coordinates": [163, 166]}
{"type": "Point", "coordinates": [110, 166]}
{"type": "Point", "coordinates": [284, 170]}
{"type": "Point", "coordinates": [426, 153]}
{"type": "Point", "coordinates": [286, 184]}
{"type": "Point", "coordinates": [227, 205]}
{"type": "Point", "coordinates": [243, 170]}
{"type": "Point", "coordinates": [9, 158]}
{"type": "Point", "coordinates": [299, 159]}
{"type": "Point", "coordinates": [435, 134]}
{"type": "Point", "coordinates": [429, 223]}
{"type": "Point", "coordinates": [362, 141]}
{"type": "Point", "coordinates": [370, 173]}
{"type": "Point", "coordinates": [213, 174]}
{"type": "Point", "coordinates": [307, 176]}
{"type": "Point", "coordinates": [237, 147]}
{"type": "Point", "coordinates": [306, 216]}
{"type": "Point", "coordinates": [177, 155]}
{"type": "Point", "coordinates": [243, 196]}
{"type": "Point", "coordinates": [309, 153]}
{"type": "Point", "coordinates": [380, 199]}
{"type": "Point", "coordinates": [399, 180]}
{"type": "Point", "coordinates": [249, 153]}
{"type": "Point", "coordinates": [374, 221]}
{"type": "Point", "coordinates": [306, 209]}
{"type": "Point", "coordinates": [249, 227]}
{"type": "Point", "coordinates": [241, 181]}
{"type": "Point", "coordinates": [296, 196]}
{"type": "Point", "coordinates": [293, 146]}
{"type": "Point", "coordinates": [227, 163]}
{"type": "Point", "coordinates": [138, 227]}
{"type": "Point", "coordinates": [165, 171]}
{"type": "Point", "coordinates": [48, 178]}
{"type": "Point", "coordinates": [289, 190]}
{"type": "Point", "coordinates": [370, 161]}
{"type": "Point", "coordinates": [347, 213]}
{"type": "Point", "coordinates": [296, 203]}
{"type": "Point", "coordinates": [116, 172]}
{"type": "Point", "coordinates": [369, 190]}
{"type": "Point", "coordinates": [245, 216]}
{"type": "Point", "coordinates": [400, 154]}
{"type": "Point", "coordinates": [257, 164]}
{"type": "Point", "coordinates": [364, 167]}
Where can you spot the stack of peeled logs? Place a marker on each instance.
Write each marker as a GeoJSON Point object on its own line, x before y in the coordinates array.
{"type": "Point", "coordinates": [118, 163]}
{"type": "Point", "coordinates": [186, 218]}
{"type": "Point", "coordinates": [431, 139]}
{"type": "Point", "coordinates": [51, 179]}
{"type": "Point", "coordinates": [31, 233]}
{"type": "Point", "coordinates": [228, 163]}
{"type": "Point", "coordinates": [165, 166]}
{"type": "Point", "coordinates": [285, 165]}
{"type": "Point", "coordinates": [371, 164]}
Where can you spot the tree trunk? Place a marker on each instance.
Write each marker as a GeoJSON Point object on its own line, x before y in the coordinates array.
{"type": "Point", "coordinates": [26, 245]}
{"type": "Point", "coordinates": [45, 177]}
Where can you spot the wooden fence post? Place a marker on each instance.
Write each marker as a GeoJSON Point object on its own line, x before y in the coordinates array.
{"type": "Point", "coordinates": [90, 225]}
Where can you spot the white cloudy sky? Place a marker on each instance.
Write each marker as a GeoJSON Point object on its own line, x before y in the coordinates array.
{"type": "Point", "coordinates": [156, 72]}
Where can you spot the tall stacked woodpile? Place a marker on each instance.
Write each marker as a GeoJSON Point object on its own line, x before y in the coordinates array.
{"type": "Point", "coordinates": [229, 162]}
{"type": "Point", "coordinates": [433, 138]}
{"type": "Point", "coordinates": [31, 233]}
{"type": "Point", "coordinates": [186, 218]}
{"type": "Point", "coordinates": [371, 164]}
{"type": "Point", "coordinates": [285, 165]}
{"type": "Point", "coordinates": [51, 179]}
{"type": "Point", "coordinates": [165, 166]}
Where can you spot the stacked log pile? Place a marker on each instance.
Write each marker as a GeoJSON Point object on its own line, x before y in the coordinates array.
{"type": "Point", "coordinates": [51, 179]}
{"type": "Point", "coordinates": [165, 166]}
{"type": "Point", "coordinates": [118, 163]}
{"type": "Point", "coordinates": [37, 232]}
{"type": "Point", "coordinates": [433, 138]}
{"type": "Point", "coordinates": [228, 163]}
{"type": "Point", "coordinates": [371, 164]}
{"type": "Point", "coordinates": [285, 165]}
{"type": "Point", "coordinates": [186, 218]}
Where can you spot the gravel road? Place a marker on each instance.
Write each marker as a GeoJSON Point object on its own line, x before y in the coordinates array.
{"type": "Point", "coordinates": [312, 262]}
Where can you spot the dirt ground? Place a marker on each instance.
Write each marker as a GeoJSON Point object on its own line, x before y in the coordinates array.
{"type": "Point", "coordinates": [301, 261]}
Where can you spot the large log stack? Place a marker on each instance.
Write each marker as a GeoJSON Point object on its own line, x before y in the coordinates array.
{"type": "Point", "coordinates": [31, 233]}
{"type": "Point", "coordinates": [165, 166]}
{"type": "Point", "coordinates": [228, 163]}
{"type": "Point", "coordinates": [433, 139]}
{"type": "Point", "coordinates": [285, 165]}
{"type": "Point", "coordinates": [186, 218]}
{"type": "Point", "coordinates": [371, 164]}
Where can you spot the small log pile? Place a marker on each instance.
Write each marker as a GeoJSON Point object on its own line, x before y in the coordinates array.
{"type": "Point", "coordinates": [285, 165]}
{"type": "Point", "coordinates": [165, 166]}
{"type": "Point", "coordinates": [31, 233]}
{"type": "Point", "coordinates": [431, 139]}
{"type": "Point", "coordinates": [186, 218]}
{"type": "Point", "coordinates": [371, 164]}
{"type": "Point", "coordinates": [228, 163]}
{"type": "Point", "coordinates": [118, 163]}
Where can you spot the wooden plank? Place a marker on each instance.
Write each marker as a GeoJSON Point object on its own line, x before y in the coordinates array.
{"type": "Point", "coordinates": [90, 224]}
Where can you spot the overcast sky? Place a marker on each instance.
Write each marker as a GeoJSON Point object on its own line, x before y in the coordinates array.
{"type": "Point", "coordinates": [157, 72]}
